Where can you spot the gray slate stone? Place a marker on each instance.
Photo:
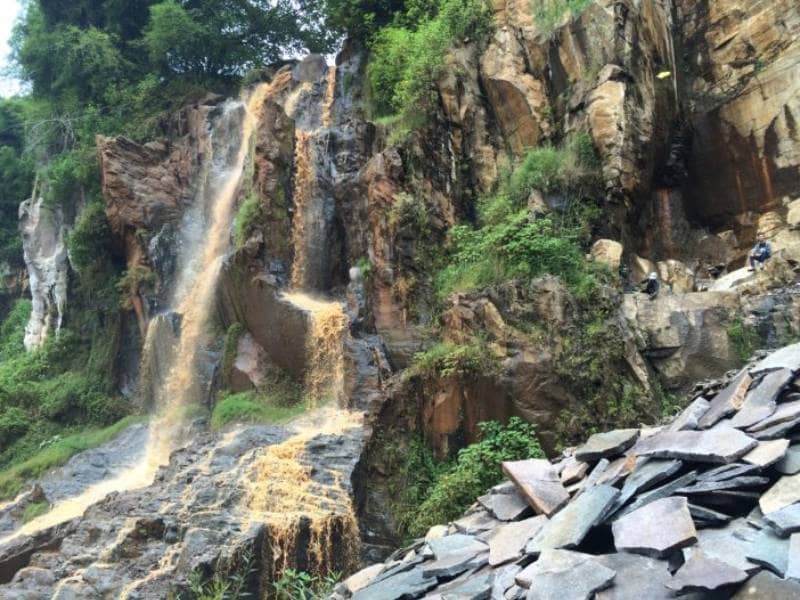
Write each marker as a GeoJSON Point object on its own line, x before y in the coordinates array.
{"type": "Point", "coordinates": [574, 470]}
{"type": "Point", "coordinates": [786, 491]}
{"type": "Point", "coordinates": [702, 573]}
{"type": "Point", "coordinates": [767, 453]}
{"type": "Point", "coordinates": [704, 487]}
{"type": "Point", "coordinates": [784, 521]}
{"type": "Point", "coordinates": [638, 578]}
{"type": "Point", "coordinates": [403, 586]}
{"type": "Point", "coordinates": [790, 463]}
{"type": "Point", "coordinates": [506, 507]}
{"type": "Point", "coordinates": [657, 529]}
{"type": "Point", "coordinates": [711, 517]}
{"type": "Point", "coordinates": [728, 544]}
{"type": "Point", "coordinates": [770, 551]}
{"type": "Point", "coordinates": [607, 445]}
{"type": "Point", "coordinates": [476, 587]}
{"type": "Point", "coordinates": [788, 412]}
{"type": "Point", "coordinates": [539, 483]}
{"type": "Point", "coordinates": [760, 401]}
{"type": "Point", "coordinates": [781, 430]}
{"type": "Point", "coordinates": [657, 494]}
{"type": "Point", "coordinates": [715, 446]}
{"type": "Point", "coordinates": [787, 357]}
{"type": "Point", "coordinates": [504, 580]}
{"type": "Point", "coordinates": [457, 543]}
{"type": "Point", "coordinates": [766, 586]}
{"type": "Point", "coordinates": [618, 470]}
{"type": "Point", "coordinates": [507, 542]}
{"type": "Point", "coordinates": [647, 473]}
{"type": "Point", "coordinates": [564, 575]}
{"type": "Point", "coordinates": [569, 526]}
{"type": "Point", "coordinates": [477, 522]}
{"type": "Point", "coordinates": [728, 472]}
{"type": "Point", "coordinates": [793, 568]}
{"type": "Point", "coordinates": [690, 417]}
{"type": "Point", "coordinates": [454, 564]}
{"type": "Point", "coordinates": [727, 401]}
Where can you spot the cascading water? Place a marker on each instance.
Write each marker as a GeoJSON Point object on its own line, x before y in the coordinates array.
{"type": "Point", "coordinates": [205, 236]}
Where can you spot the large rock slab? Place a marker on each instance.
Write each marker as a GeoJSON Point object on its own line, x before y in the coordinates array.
{"type": "Point", "coordinates": [408, 584]}
{"type": "Point", "coordinates": [793, 568]}
{"type": "Point", "coordinates": [564, 575]}
{"type": "Point", "coordinates": [728, 544]}
{"type": "Point", "coordinates": [787, 357]}
{"type": "Point", "coordinates": [458, 543]}
{"type": "Point", "coordinates": [538, 481]}
{"type": "Point", "coordinates": [760, 402]}
{"type": "Point", "coordinates": [638, 578]}
{"type": "Point", "coordinates": [507, 542]}
{"type": "Point", "coordinates": [786, 491]}
{"type": "Point", "coordinates": [569, 527]}
{"type": "Point", "coordinates": [767, 453]}
{"type": "Point", "coordinates": [790, 463]}
{"type": "Point", "coordinates": [691, 415]}
{"type": "Point", "coordinates": [770, 551]}
{"type": "Point", "coordinates": [722, 445]}
{"type": "Point", "coordinates": [607, 445]}
{"type": "Point", "coordinates": [784, 413]}
{"type": "Point", "coordinates": [704, 574]}
{"type": "Point", "coordinates": [727, 401]}
{"type": "Point", "coordinates": [507, 506]}
{"type": "Point", "coordinates": [784, 521]}
{"type": "Point", "coordinates": [766, 586]}
{"type": "Point", "coordinates": [657, 529]}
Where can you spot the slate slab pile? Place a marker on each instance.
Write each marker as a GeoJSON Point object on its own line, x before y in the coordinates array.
{"type": "Point", "coordinates": [706, 506]}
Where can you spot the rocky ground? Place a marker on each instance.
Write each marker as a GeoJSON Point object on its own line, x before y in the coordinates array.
{"type": "Point", "coordinates": [705, 506]}
{"type": "Point", "coordinates": [198, 516]}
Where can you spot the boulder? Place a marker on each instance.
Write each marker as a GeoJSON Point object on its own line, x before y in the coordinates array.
{"type": "Point", "coordinates": [657, 529]}
{"type": "Point", "coordinates": [538, 481]}
{"type": "Point", "coordinates": [607, 252]}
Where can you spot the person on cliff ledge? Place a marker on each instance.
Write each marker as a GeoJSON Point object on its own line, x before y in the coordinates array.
{"type": "Point", "coordinates": [651, 286]}
{"type": "Point", "coordinates": [760, 254]}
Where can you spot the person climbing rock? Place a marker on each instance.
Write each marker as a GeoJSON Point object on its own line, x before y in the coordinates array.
{"type": "Point", "coordinates": [651, 286]}
{"type": "Point", "coordinates": [760, 253]}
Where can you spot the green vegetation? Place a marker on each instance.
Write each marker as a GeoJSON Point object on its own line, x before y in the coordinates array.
{"type": "Point", "coordinates": [56, 452]}
{"type": "Point", "coordinates": [446, 359]}
{"type": "Point", "coordinates": [229, 581]}
{"type": "Point", "coordinates": [299, 585]}
{"type": "Point", "coordinates": [510, 243]}
{"type": "Point", "coordinates": [549, 14]}
{"type": "Point", "coordinates": [35, 509]}
{"type": "Point", "coordinates": [435, 493]}
{"type": "Point", "coordinates": [252, 407]}
{"type": "Point", "coordinates": [247, 219]}
{"type": "Point", "coordinates": [743, 338]}
{"type": "Point", "coordinates": [232, 336]}
{"type": "Point", "coordinates": [406, 58]}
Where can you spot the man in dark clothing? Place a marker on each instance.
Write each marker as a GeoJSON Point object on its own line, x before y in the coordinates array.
{"type": "Point", "coordinates": [651, 286]}
{"type": "Point", "coordinates": [760, 254]}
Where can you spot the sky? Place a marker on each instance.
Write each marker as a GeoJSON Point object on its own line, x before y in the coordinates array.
{"type": "Point", "coordinates": [9, 9]}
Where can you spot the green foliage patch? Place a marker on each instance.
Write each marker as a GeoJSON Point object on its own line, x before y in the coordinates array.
{"type": "Point", "coordinates": [447, 359]}
{"type": "Point", "coordinates": [406, 58]}
{"type": "Point", "coordinates": [34, 510]}
{"type": "Point", "coordinates": [253, 407]}
{"type": "Point", "coordinates": [57, 452]}
{"type": "Point", "coordinates": [550, 14]}
{"type": "Point", "coordinates": [510, 243]}
{"type": "Point", "coordinates": [299, 585]}
{"type": "Point", "coordinates": [477, 468]}
{"type": "Point", "coordinates": [743, 338]}
{"type": "Point", "coordinates": [248, 217]}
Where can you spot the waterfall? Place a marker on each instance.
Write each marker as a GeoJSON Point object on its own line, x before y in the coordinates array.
{"type": "Point", "coordinates": [205, 238]}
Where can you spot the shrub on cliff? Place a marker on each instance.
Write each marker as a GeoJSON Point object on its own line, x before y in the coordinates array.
{"type": "Point", "coordinates": [406, 59]}
{"type": "Point", "coordinates": [476, 469]}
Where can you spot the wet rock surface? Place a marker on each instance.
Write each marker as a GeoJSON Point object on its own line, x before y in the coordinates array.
{"type": "Point", "coordinates": [195, 517]}
{"type": "Point", "coordinates": [669, 521]}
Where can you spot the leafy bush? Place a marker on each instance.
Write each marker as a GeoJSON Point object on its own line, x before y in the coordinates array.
{"type": "Point", "coordinates": [446, 359]}
{"type": "Point", "coordinates": [511, 243]}
{"type": "Point", "coordinates": [90, 237]}
{"type": "Point", "coordinates": [299, 585]}
{"type": "Point", "coordinates": [743, 339]}
{"type": "Point", "coordinates": [406, 61]}
{"type": "Point", "coordinates": [251, 407]}
{"type": "Point", "coordinates": [476, 469]}
{"type": "Point", "coordinates": [549, 14]}
{"type": "Point", "coordinates": [12, 329]}
{"type": "Point", "coordinates": [247, 219]}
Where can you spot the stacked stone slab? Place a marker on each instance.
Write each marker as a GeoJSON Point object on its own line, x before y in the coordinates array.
{"type": "Point", "coordinates": [706, 506]}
